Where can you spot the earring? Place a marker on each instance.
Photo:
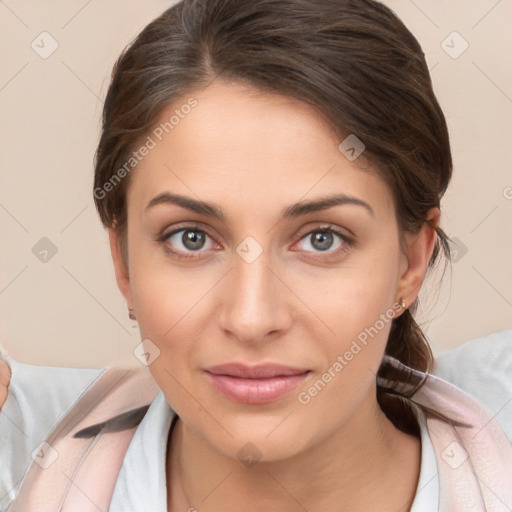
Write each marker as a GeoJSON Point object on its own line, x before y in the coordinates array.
{"type": "Point", "coordinates": [402, 302]}
{"type": "Point", "coordinates": [131, 314]}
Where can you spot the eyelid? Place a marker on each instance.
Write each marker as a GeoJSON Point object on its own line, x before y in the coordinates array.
{"type": "Point", "coordinates": [349, 237]}
{"type": "Point", "coordinates": [193, 226]}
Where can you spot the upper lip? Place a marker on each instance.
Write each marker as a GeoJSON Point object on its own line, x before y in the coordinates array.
{"type": "Point", "coordinates": [260, 371]}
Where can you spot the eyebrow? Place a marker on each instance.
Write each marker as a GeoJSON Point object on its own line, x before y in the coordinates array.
{"type": "Point", "coordinates": [291, 212]}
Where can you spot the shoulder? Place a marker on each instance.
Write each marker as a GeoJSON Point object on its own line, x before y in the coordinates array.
{"type": "Point", "coordinates": [482, 367]}
{"type": "Point", "coordinates": [45, 391]}
{"type": "Point", "coordinates": [37, 398]}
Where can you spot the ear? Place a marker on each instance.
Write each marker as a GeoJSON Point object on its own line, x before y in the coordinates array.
{"type": "Point", "coordinates": [120, 265]}
{"type": "Point", "coordinates": [420, 247]}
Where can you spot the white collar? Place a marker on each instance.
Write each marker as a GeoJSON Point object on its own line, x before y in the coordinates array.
{"type": "Point", "coordinates": [427, 491]}
{"type": "Point", "coordinates": [141, 485]}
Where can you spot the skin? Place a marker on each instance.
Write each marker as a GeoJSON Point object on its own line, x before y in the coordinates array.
{"type": "Point", "coordinates": [5, 378]}
{"type": "Point", "coordinates": [295, 305]}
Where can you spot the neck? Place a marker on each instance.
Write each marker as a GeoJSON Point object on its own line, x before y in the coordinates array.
{"type": "Point", "coordinates": [367, 464]}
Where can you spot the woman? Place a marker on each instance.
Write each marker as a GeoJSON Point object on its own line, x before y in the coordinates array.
{"type": "Point", "coordinates": [270, 175]}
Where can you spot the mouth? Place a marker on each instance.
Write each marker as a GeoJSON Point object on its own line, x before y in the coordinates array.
{"type": "Point", "coordinates": [255, 384]}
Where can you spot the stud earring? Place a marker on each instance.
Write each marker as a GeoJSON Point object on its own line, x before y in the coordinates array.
{"type": "Point", "coordinates": [402, 302]}
{"type": "Point", "coordinates": [131, 314]}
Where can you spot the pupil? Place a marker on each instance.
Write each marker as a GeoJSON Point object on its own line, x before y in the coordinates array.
{"type": "Point", "coordinates": [193, 240]}
{"type": "Point", "coordinates": [322, 241]}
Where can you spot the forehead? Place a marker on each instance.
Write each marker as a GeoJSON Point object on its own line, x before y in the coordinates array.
{"type": "Point", "coordinates": [241, 147]}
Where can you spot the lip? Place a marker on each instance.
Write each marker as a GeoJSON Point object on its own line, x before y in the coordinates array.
{"type": "Point", "coordinates": [255, 384]}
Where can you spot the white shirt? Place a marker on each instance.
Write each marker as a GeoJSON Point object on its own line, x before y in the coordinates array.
{"type": "Point", "coordinates": [39, 396]}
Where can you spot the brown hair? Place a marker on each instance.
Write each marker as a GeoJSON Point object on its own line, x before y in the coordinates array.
{"type": "Point", "coordinates": [353, 60]}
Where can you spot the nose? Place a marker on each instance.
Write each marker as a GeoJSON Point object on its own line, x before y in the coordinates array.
{"type": "Point", "coordinates": [254, 302]}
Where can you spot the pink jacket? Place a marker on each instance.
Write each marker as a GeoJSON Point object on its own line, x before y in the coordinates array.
{"type": "Point", "coordinates": [474, 456]}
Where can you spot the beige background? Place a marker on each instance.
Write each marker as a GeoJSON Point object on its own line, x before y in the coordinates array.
{"type": "Point", "coordinates": [67, 311]}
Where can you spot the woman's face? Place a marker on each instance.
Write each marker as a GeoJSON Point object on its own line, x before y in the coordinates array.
{"type": "Point", "coordinates": [248, 274]}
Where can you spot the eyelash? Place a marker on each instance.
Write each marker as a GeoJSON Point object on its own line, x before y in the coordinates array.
{"type": "Point", "coordinates": [347, 241]}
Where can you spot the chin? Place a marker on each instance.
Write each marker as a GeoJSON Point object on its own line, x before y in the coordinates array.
{"type": "Point", "coordinates": [253, 450]}
{"type": "Point", "coordinates": [265, 438]}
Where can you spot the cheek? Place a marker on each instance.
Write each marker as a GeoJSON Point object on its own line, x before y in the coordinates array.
{"type": "Point", "coordinates": [356, 305]}
{"type": "Point", "coordinates": [176, 310]}
{"type": "Point", "coordinates": [156, 293]}
{"type": "Point", "coordinates": [359, 312]}
{"type": "Point", "coordinates": [167, 302]}
{"type": "Point", "coordinates": [353, 297]}
{"type": "Point", "coordinates": [168, 305]}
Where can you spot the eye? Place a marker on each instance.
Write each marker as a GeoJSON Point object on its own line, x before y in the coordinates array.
{"type": "Point", "coordinates": [189, 242]}
{"type": "Point", "coordinates": [186, 241]}
{"type": "Point", "coordinates": [325, 239]}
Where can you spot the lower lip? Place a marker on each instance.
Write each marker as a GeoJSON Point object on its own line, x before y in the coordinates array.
{"type": "Point", "coordinates": [256, 391]}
